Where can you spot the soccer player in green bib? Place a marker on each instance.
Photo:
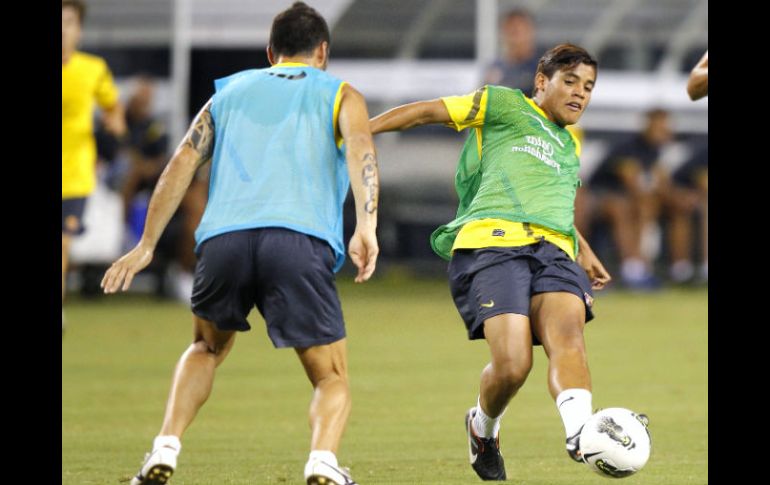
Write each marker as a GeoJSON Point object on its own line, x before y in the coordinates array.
{"type": "Point", "coordinates": [520, 273]}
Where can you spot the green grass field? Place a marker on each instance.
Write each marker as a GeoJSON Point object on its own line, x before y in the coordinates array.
{"type": "Point", "coordinates": [413, 373]}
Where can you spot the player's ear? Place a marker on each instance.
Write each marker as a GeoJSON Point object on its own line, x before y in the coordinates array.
{"type": "Point", "coordinates": [322, 53]}
{"type": "Point", "coordinates": [540, 81]}
{"type": "Point", "coordinates": [270, 55]}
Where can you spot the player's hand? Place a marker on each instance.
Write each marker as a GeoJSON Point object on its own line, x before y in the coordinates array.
{"type": "Point", "coordinates": [596, 271]}
{"type": "Point", "coordinates": [363, 250]}
{"type": "Point", "coordinates": [120, 275]}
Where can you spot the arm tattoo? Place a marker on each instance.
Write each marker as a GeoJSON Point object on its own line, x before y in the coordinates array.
{"type": "Point", "coordinates": [200, 136]}
{"type": "Point", "coordinates": [369, 178]}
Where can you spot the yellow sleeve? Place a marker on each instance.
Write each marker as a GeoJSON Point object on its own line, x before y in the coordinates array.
{"type": "Point", "coordinates": [467, 111]}
{"type": "Point", "coordinates": [106, 90]}
{"type": "Point", "coordinates": [577, 136]}
{"type": "Point", "coordinates": [336, 115]}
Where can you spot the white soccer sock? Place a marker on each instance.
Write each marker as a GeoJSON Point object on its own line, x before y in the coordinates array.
{"type": "Point", "coordinates": [168, 441]}
{"type": "Point", "coordinates": [574, 405]}
{"type": "Point", "coordinates": [325, 456]}
{"type": "Point", "coordinates": [485, 426]}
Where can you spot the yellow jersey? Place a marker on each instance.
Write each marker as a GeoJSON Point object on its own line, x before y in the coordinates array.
{"type": "Point", "coordinates": [85, 81]}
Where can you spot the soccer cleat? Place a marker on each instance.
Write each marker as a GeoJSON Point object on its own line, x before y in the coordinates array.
{"type": "Point", "coordinates": [157, 468]}
{"type": "Point", "coordinates": [573, 446]}
{"type": "Point", "coordinates": [318, 472]}
{"type": "Point", "coordinates": [484, 453]}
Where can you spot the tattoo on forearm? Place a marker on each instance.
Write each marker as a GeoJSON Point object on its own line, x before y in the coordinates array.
{"type": "Point", "coordinates": [369, 178]}
{"type": "Point", "coordinates": [200, 137]}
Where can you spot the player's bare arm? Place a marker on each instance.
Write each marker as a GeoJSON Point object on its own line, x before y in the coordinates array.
{"type": "Point", "coordinates": [588, 260]}
{"type": "Point", "coordinates": [114, 120]}
{"type": "Point", "coordinates": [195, 149]}
{"type": "Point", "coordinates": [364, 180]}
{"type": "Point", "coordinates": [698, 83]}
{"type": "Point", "coordinates": [411, 115]}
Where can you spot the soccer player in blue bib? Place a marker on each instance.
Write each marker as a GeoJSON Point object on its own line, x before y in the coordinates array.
{"type": "Point", "coordinates": [520, 273]}
{"type": "Point", "coordinates": [285, 143]}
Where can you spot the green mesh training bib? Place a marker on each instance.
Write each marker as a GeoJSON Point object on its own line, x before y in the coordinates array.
{"type": "Point", "coordinates": [527, 172]}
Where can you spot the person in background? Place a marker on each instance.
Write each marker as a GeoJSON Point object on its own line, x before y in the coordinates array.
{"type": "Point", "coordinates": [146, 152]}
{"type": "Point", "coordinates": [86, 81]}
{"type": "Point", "coordinates": [628, 189]}
{"type": "Point", "coordinates": [516, 67]}
{"type": "Point", "coordinates": [688, 200]}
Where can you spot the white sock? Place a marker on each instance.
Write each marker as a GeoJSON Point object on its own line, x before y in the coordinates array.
{"type": "Point", "coordinates": [704, 271]}
{"type": "Point", "coordinates": [574, 405]}
{"type": "Point", "coordinates": [681, 271]}
{"type": "Point", "coordinates": [169, 441]}
{"type": "Point", "coordinates": [633, 269]}
{"type": "Point", "coordinates": [325, 456]}
{"type": "Point", "coordinates": [485, 426]}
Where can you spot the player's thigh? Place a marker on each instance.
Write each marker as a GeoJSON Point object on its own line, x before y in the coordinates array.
{"type": "Point", "coordinates": [562, 298]}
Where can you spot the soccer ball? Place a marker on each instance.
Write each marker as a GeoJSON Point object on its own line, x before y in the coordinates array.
{"type": "Point", "coordinates": [615, 442]}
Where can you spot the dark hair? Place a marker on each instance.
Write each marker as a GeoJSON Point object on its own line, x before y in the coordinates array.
{"type": "Point", "coordinates": [78, 5]}
{"type": "Point", "coordinates": [564, 56]}
{"type": "Point", "coordinates": [298, 30]}
{"type": "Point", "coordinates": [655, 113]}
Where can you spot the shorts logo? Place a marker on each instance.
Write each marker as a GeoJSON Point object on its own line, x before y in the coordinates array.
{"type": "Point", "coordinates": [488, 305]}
{"type": "Point", "coordinates": [72, 223]}
{"type": "Point", "coordinates": [588, 299]}
{"type": "Point", "coordinates": [498, 232]}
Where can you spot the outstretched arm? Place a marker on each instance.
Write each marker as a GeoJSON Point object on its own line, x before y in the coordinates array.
{"type": "Point", "coordinates": [364, 180]}
{"type": "Point", "coordinates": [411, 115]}
{"type": "Point", "coordinates": [195, 149]}
{"type": "Point", "coordinates": [590, 263]}
{"type": "Point", "coordinates": [698, 83]}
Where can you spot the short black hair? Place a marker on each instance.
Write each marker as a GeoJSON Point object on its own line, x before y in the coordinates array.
{"type": "Point", "coordinates": [564, 56]}
{"type": "Point", "coordinates": [78, 5]}
{"type": "Point", "coordinates": [298, 30]}
{"type": "Point", "coordinates": [656, 112]}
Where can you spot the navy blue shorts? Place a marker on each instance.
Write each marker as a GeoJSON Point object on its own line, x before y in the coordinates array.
{"type": "Point", "coordinates": [492, 281]}
{"type": "Point", "coordinates": [288, 276]}
{"type": "Point", "coordinates": [72, 216]}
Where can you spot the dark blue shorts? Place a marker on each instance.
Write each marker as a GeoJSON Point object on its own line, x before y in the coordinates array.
{"type": "Point", "coordinates": [492, 281]}
{"type": "Point", "coordinates": [72, 216]}
{"type": "Point", "coordinates": [288, 276]}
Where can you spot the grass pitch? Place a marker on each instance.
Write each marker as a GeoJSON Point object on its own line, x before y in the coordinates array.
{"type": "Point", "coordinates": [413, 376]}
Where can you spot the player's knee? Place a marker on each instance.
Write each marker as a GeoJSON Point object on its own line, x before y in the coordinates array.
{"type": "Point", "coordinates": [514, 372]}
{"type": "Point", "coordinates": [213, 347]}
{"type": "Point", "coordinates": [570, 345]}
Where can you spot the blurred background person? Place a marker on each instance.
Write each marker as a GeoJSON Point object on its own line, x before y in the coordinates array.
{"type": "Point", "coordinates": [627, 191]}
{"type": "Point", "coordinates": [688, 202]}
{"type": "Point", "coordinates": [86, 82]}
{"type": "Point", "coordinates": [516, 67]}
{"type": "Point", "coordinates": [144, 157]}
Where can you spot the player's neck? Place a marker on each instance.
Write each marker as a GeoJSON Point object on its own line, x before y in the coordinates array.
{"type": "Point", "coordinates": [538, 100]}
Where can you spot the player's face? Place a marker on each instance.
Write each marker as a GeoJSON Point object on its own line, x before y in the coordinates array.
{"type": "Point", "coordinates": [567, 93]}
{"type": "Point", "coordinates": [70, 29]}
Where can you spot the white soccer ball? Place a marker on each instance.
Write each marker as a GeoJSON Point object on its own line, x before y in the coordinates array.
{"type": "Point", "coordinates": [615, 442]}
